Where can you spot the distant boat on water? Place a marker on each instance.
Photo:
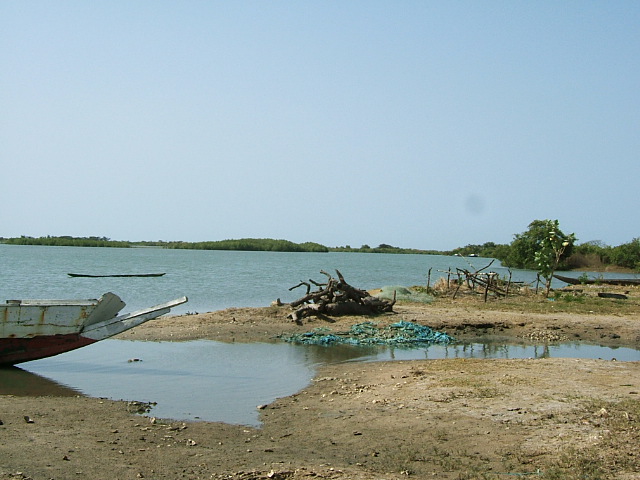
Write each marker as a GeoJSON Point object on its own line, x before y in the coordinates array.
{"type": "Point", "coordinates": [118, 275]}
{"type": "Point", "coordinates": [601, 281]}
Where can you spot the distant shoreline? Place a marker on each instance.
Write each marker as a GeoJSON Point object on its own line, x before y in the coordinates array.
{"type": "Point", "coordinates": [269, 245]}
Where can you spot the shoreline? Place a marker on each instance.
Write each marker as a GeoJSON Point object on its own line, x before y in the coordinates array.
{"type": "Point", "coordinates": [462, 321]}
{"type": "Point", "coordinates": [447, 419]}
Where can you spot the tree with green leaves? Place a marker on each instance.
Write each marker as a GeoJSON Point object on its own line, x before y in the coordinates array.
{"type": "Point", "coordinates": [522, 251]}
{"type": "Point", "coordinates": [550, 250]}
{"type": "Point", "coordinates": [627, 255]}
{"type": "Point", "coordinates": [524, 245]}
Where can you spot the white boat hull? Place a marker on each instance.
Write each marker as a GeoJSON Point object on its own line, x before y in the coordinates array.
{"type": "Point", "coordinates": [33, 329]}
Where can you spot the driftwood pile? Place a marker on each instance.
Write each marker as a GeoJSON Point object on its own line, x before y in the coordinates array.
{"type": "Point", "coordinates": [336, 297]}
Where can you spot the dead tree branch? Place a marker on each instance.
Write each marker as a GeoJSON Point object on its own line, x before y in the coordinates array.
{"type": "Point", "coordinates": [336, 297]}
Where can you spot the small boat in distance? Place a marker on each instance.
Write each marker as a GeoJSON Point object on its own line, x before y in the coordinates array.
{"type": "Point", "coordinates": [119, 275]}
{"type": "Point", "coordinates": [598, 281]}
{"type": "Point", "coordinates": [33, 329]}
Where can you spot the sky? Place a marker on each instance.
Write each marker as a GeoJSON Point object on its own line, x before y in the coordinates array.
{"type": "Point", "coordinates": [418, 124]}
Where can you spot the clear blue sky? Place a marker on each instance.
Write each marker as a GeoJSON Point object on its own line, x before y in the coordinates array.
{"type": "Point", "coordinates": [420, 124]}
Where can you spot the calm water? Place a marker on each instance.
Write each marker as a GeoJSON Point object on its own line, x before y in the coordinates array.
{"type": "Point", "coordinates": [211, 279]}
{"type": "Point", "coordinates": [226, 382]}
{"type": "Point", "coordinates": [209, 380]}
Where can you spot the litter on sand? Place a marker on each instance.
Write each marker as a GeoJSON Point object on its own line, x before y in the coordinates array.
{"type": "Point", "coordinates": [368, 333]}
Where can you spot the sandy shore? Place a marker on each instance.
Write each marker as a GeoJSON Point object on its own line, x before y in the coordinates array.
{"type": "Point", "coordinates": [451, 419]}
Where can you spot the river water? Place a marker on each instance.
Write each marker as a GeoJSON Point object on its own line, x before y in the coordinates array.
{"type": "Point", "coordinates": [211, 279]}
{"type": "Point", "coordinates": [211, 380]}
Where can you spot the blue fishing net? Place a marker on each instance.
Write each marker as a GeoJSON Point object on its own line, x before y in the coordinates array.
{"type": "Point", "coordinates": [368, 333]}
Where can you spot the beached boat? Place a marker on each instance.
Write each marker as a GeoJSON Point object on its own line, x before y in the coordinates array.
{"type": "Point", "coordinates": [117, 275]}
{"type": "Point", "coordinates": [33, 329]}
{"type": "Point", "coordinates": [599, 281]}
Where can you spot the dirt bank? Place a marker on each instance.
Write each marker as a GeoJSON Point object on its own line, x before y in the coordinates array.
{"type": "Point", "coordinates": [467, 319]}
{"type": "Point", "coordinates": [449, 419]}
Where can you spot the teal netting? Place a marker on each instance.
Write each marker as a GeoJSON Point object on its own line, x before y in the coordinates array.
{"type": "Point", "coordinates": [368, 333]}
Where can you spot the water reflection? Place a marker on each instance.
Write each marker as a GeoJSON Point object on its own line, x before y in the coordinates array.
{"type": "Point", "coordinates": [20, 383]}
{"type": "Point", "coordinates": [322, 355]}
{"type": "Point", "coordinates": [225, 382]}
{"type": "Point", "coordinates": [489, 350]}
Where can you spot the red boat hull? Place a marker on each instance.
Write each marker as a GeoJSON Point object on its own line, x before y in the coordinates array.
{"type": "Point", "coordinates": [18, 350]}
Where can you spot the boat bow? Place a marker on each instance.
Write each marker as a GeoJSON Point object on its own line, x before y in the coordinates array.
{"type": "Point", "coordinates": [122, 323]}
{"type": "Point", "coordinates": [34, 329]}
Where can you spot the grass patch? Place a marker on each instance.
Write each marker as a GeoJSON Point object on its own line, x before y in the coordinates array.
{"type": "Point", "coordinates": [608, 450]}
{"type": "Point", "coordinates": [613, 454]}
{"type": "Point", "coordinates": [562, 302]}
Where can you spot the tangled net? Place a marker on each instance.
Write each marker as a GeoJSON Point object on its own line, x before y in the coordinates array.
{"type": "Point", "coordinates": [368, 333]}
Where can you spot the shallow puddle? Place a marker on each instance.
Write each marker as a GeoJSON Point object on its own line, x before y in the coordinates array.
{"type": "Point", "coordinates": [226, 382]}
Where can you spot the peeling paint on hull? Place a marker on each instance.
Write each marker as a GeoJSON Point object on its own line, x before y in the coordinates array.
{"type": "Point", "coordinates": [33, 329]}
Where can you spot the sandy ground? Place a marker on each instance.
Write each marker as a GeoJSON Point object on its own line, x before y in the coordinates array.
{"type": "Point", "coordinates": [448, 419]}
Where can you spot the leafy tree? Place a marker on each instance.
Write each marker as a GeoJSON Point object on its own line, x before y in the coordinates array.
{"type": "Point", "coordinates": [550, 250]}
{"type": "Point", "coordinates": [523, 247]}
{"type": "Point", "coordinates": [500, 251]}
{"type": "Point", "coordinates": [593, 253]}
{"type": "Point", "coordinates": [627, 255]}
{"type": "Point", "coordinates": [522, 251]}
